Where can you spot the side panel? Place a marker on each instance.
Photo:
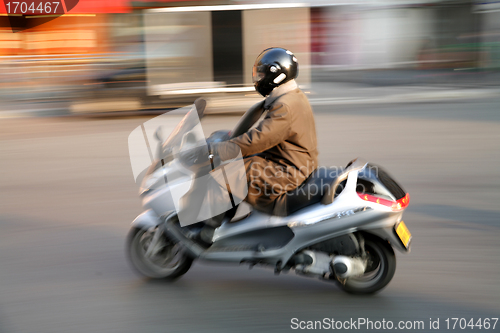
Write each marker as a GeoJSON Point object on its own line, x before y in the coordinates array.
{"type": "Point", "coordinates": [256, 240]}
{"type": "Point", "coordinates": [305, 236]}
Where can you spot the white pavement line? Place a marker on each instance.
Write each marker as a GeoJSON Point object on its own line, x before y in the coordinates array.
{"type": "Point", "coordinates": [408, 98]}
{"type": "Point", "coordinates": [14, 114]}
{"type": "Point", "coordinates": [241, 104]}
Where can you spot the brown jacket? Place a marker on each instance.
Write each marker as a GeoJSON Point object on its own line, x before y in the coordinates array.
{"type": "Point", "coordinates": [281, 151]}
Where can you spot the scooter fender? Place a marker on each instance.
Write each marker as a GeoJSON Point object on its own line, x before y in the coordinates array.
{"type": "Point", "coordinates": [390, 236]}
{"type": "Point", "coordinates": [147, 219]}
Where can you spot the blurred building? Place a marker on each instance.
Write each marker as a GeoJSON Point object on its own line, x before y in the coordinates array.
{"type": "Point", "coordinates": [423, 34]}
{"type": "Point", "coordinates": [418, 34]}
{"type": "Point", "coordinates": [70, 57]}
{"type": "Point", "coordinates": [100, 49]}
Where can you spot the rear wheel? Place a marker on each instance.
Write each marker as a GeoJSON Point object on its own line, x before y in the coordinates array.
{"type": "Point", "coordinates": [380, 269]}
{"type": "Point", "coordinates": [166, 260]}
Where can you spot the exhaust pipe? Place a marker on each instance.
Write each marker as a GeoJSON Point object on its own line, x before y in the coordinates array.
{"type": "Point", "coordinates": [346, 267]}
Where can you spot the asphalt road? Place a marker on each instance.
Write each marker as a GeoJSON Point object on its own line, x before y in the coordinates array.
{"type": "Point", "coordinates": [67, 198]}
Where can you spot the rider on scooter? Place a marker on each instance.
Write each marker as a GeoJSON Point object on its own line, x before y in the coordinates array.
{"type": "Point", "coordinates": [281, 151]}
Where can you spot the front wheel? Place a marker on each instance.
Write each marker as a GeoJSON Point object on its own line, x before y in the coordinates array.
{"type": "Point", "coordinates": [165, 260]}
{"type": "Point", "coordinates": [380, 269]}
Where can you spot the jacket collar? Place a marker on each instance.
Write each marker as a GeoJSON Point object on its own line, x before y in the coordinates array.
{"type": "Point", "coordinates": [280, 91]}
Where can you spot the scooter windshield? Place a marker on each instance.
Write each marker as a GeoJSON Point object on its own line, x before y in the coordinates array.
{"type": "Point", "coordinates": [198, 189]}
{"type": "Point", "coordinates": [158, 136]}
{"type": "Point", "coordinates": [187, 134]}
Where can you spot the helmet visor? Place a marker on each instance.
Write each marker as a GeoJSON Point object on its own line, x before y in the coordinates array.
{"type": "Point", "coordinates": [258, 73]}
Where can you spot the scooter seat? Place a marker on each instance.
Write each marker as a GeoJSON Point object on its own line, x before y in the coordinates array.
{"type": "Point", "coordinates": [311, 191]}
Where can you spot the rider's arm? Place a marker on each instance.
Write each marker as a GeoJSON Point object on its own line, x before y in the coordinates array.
{"type": "Point", "coordinates": [272, 130]}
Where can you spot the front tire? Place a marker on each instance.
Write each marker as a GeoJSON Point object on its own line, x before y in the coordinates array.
{"type": "Point", "coordinates": [168, 261]}
{"type": "Point", "coordinates": [380, 269]}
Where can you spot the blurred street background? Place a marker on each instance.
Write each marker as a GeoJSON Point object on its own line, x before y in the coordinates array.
{"type": "Point", "coordinates": [413, 86]}
{"type": "Point", "coordinates": [129, 56]}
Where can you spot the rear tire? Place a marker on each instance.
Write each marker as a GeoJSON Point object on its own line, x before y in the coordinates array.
{"type": "Point", "coordinates": [380, 270]}
{"type": "Point", "coordinates": [169, 262]}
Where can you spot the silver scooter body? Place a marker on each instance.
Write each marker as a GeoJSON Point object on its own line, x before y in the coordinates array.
{"type": "Point", "coordinates": [245, 240]}
{"type": "Point", "coordinates": [281, 241]}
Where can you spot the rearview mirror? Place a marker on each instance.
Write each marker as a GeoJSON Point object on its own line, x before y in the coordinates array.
{"type": "Point", "coordinates": [158, 135]}
{"type": "Point", "coordinates": [201, 105]}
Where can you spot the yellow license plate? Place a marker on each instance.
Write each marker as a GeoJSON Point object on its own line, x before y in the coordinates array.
{"type": "Point", "coordinates": [403, 233]}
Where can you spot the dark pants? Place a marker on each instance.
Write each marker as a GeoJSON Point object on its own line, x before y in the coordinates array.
{"type": "Point", "coordinates": [267, 180]}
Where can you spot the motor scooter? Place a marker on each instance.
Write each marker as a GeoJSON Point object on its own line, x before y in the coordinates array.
{"type": "Point", "coordinates": [341, 225]}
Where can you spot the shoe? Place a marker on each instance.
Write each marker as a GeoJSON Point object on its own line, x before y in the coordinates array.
{"type": "Point", "coordinates": [199, 233]}
{"type": "Point", "coordinates": [192, 231]}
{"type": "Point", "coordinates": [206, 234]}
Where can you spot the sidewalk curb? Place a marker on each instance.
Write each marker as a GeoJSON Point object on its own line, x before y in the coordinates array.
{"type": "Point", "coordinates": [420, 97]}
{"type": "Point", "coordinates": [405, 97]}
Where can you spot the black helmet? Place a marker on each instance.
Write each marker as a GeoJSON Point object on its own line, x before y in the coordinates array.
{"type": "Point", "coordinates": [273, 67]}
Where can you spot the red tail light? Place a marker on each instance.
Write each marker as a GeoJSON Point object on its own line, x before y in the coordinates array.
{"type": "Point", "coordinates": [394, 205]}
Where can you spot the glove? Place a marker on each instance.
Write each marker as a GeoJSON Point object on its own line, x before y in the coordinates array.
{"type": "Point", "coordinates": [195, 156]}
{"type": "Point", "coordinates": [219, 136]}
{"type": "Point", "coordinates": [225, 150]}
